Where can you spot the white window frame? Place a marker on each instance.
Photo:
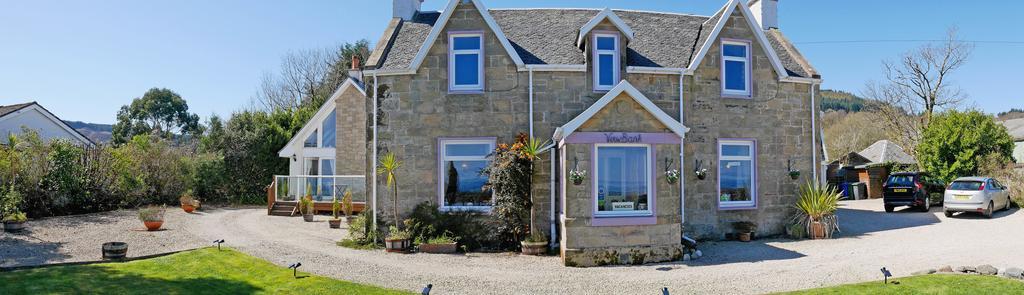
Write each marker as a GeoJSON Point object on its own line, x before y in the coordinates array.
{"type": "Point", "coordinates": [753, 173]}
{"type": "Point", "coordinates": [443, 158]}
{"type": "Point", "coordinates": [746, 63]}
{"type": "Point", "coordinates": [452, 86]}
{"type": "Point", "coordinates": [597, 62]}
{"type": "Point", "coordinates": [597, 180]}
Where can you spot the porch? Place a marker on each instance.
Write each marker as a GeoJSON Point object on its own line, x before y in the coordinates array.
{"type": "Point", "coordinates": [284, 192]}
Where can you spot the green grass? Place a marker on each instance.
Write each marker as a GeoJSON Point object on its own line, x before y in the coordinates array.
{"type": "Point", "coordinates": [929, 284]}
{"type": "Point", "coordinates": [203, 271]}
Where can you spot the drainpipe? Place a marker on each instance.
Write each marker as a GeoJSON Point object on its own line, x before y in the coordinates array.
{"type": "Point", "coordinates": [551, 241]}
{"type": "Point", "coordinates": [682, 154]}
{"type": "Point", "coordinates": [530, 68]}
{"type": "Point", "coordinates": [814, 137]}
{"type": "Point", "coordinates": [373, 172]}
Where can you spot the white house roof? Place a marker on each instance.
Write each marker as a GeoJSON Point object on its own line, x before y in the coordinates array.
{"type": "Point", "coordinates": [1015, 127]}
{"type": "Point", "coordinates": [8, 112]}
{"type": "Point", "coordinates": [886, 151]}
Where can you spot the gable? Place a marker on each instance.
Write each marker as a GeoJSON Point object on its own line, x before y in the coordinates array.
{"type": "Point", "coordinates": [607, 18]}
{"type": "Point", "coordinates": [736, 21]}
{"type": "Point", "coordinates": [35, 117]}
{"type": "Point", "coordinates": [471, 15]}
{"type": "Point", "coordinates": [623, 90]}
{"type": "Point", "coordinates": [623, 114]}
{"type": "Point", "coordinates": [349, 88]}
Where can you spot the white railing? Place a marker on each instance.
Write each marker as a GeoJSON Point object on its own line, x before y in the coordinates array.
{"type": "Point", "coordinates": [322, 188]}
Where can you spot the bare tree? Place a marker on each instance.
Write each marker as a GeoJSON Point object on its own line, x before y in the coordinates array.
{"type": "Point", "coordinates": [916, 86]}
{"type": "Point", "coordinates": [307, 76]}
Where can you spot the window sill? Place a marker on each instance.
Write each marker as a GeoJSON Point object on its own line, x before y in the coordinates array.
{"type": "Point", "coordinates": [624, 220]}
{"type": "Point", "coordinates": [736, 207]}
{"type": "Point", "coordinates": [476, 209]}
{"type": "Point", "coordinates": [479, 91]}
{"type": "Point", "coordinates": [737, 95]}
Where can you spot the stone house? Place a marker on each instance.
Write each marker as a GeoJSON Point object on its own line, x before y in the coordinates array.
{"type": "Point", "coordinates": [625, 96]}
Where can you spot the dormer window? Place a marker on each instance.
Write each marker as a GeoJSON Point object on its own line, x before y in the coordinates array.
{"type": "Point", "coordinates": [736, 68]}
{"type": "Point", "coordinates": [606, 61]}
{"type": "Point", "coordinates": [465, 62]}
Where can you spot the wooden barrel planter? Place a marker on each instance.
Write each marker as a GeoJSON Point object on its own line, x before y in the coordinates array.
{"type": "Point", "coordinates": [115, 250]}
{"type": "Point", "coordinates": [14, 226]}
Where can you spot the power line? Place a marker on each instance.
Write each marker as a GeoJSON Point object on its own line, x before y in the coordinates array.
{"type": "Point", "coordinates": [909, 40]}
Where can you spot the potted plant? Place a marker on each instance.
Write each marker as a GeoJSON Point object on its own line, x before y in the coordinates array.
{"type": "Point", "coordinates": [306, 208]}
{"type": "Point", "coordinates": [744, 230]}
{"type": "Point", "coordinates": [188, 203]}
{"type": "Point", "coordinates": [794, 174]}
{"type": "Point", "coordinates": [346, 206]}
{"type": "Point", "coordinates": [397, 240]}
{"type": "Point", "coordinates": [445, 243]}
{"type": "Point", "coordinates": [577, 176]}
{"type": "Point", "coordinates": [14, 222]}
{"type": "Point", "coordinates": [672, 176]}
{"type": "Point", "coordinates": [816, 210]}
{"type": "Point", "coordinates": [335, 222]}
{"type": "Point", "coordinates": [152, 217]}
{"type": "Point", "coordinates": [535, 244]}
{"type": "Point", "coordinates": [701, 173]}
{"type": "Point", "coordinates": [13, 219]}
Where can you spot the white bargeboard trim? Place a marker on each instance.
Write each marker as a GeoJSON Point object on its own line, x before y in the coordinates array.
{"type": "Point", "coordinates": [623, 86]}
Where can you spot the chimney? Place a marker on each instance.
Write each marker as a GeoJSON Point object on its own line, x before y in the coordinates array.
{"type": "Point", "coordinates": [355, 72]}
{"type": "Point", "coordinates": [405, 9]}
{"type": "Point", "coordinates": [766, 12]}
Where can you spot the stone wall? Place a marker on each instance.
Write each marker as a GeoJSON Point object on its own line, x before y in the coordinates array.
{"type": "Point", "coordinates": [417, 110]}
{"type": "Point", "coordinates": [350, 151]}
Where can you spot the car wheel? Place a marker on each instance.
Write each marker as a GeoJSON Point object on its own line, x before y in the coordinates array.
{"type": "Point", "coordinates": [988, 212]}
{"type": "Point", "coordinates": [947, 213]}
{"type": "Point", "coordinates": [1009, 203]}
{"type": "Point", "coordinates": [889, 208]}
{"type": "Point", "coordinates": [927, 205]}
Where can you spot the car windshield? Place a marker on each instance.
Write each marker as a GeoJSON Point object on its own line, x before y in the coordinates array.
{"type": "Point", "coordinates": [900, 180]}
{"type": "Point", "coordinates": [965, 186]}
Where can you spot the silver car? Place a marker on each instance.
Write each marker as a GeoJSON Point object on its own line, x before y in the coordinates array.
{"type": "Point", "coordinates": [975, 194]}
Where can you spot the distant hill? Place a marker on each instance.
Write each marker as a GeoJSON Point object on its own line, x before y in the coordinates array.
{"type": "Point", "coordinates": [1013, 113]}
{"type": "Point", "coordinates": [100, 133]}
{"type": "Point", "coordinates": [838, 100]}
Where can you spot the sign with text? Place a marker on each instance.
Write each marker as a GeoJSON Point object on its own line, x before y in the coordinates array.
{"type": "Point", "coordinates": [622, 137]}
{"type": "Point", "coordinates": [622, 206]}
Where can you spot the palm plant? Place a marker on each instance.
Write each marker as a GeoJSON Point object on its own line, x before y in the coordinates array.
{"type": "Point", "coordinates": [388, 165]}
{"type": "Point", "coordinates": [816, 209]}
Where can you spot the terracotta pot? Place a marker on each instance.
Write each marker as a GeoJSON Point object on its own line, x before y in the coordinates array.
{"type": "Point", "coordinates": [188, 208]}
{"type": "Point", "coordinates": [153, 225]}
{"type": "Point", "coordinates": [14, 226]}
{"type": "Point", "coordinates": [115, 250]}
{"type": "Point", "coordinates": [334, 223]}
{"type": "Point", "coordinates": [743, 237]}
{"type": "Point", "coordinates": [438, 248]}
{"type": "Point", "coordinates": [396, 245]}
{"type": "Point", "coordinates": [817, 230]}
{"type": "Point", "coordinates": [534, 248]}
{"type": "Point", "coordinates": [307, 217]}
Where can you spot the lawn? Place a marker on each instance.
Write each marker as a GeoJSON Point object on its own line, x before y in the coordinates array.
{"type": "Point", "coordinates": [203, 271]}
{"type": "Point", "coordinates": [929, 284]}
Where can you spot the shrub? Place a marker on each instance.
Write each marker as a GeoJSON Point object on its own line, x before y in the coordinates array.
{"type": "Point", "coordinates": [445, 238]}
{"type": "Point", "coordinates": [346, 203]}
{"type": "Point", "coordinates": [152, 213]}
{"type": "Point", "coordinates": [954, 142]}
{"type": "Point", "coordinates": [509, 176]}
{"type": "Point", "coordinates": [15, 217]}
{"type": "Point", "coordinates": [306, 205]}
{"type": "Point", "coordinates": [427, 222]}
{"type": "Point", "coordinates": [1002, 169]}
{"type": "Point", "coordinates": [361, 232]}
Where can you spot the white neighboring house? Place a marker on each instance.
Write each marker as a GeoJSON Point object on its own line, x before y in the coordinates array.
{"type": "Point", "coordinates": [36, 117]}
{"type": "Point", "coordinates": [1016, 129]}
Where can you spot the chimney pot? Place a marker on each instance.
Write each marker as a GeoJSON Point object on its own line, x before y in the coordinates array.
{"type": "Point", "coordinates": [355, 62]}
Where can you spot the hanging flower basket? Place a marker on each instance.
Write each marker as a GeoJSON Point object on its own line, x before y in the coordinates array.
{"type": "Point", "coordinates": [672, 176]}
{"type": "Point", "coordinates": [701, 173]}
{"type": "Point", "coordinates": [794, 174]}
{"type": "Point", "coordinates": [577, 176]}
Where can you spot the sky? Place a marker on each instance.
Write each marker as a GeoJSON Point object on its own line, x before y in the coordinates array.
{"type": "Point", "coordinates": [83, 60]}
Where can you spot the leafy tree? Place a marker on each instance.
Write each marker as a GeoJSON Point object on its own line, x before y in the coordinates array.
{"type": "Point", "coordinates": [160, 112]}
{"type": "Point", "coordinates": [954, 143]}
{"type": "Point", "coordinates": [213, 136]}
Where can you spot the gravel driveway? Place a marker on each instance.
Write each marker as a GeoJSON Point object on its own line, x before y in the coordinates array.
{"type": "Point", "coordinates": [904, 241]}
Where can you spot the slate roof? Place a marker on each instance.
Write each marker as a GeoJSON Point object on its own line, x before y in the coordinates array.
{"type": "Point", "coordinates": [547, 36]}
{"type": "Point", "coordinates": [886, 151]}
{"type": "Point", "coordinates": [4, 110]}
{"type": "Point", "coordinates": [1015, 127]}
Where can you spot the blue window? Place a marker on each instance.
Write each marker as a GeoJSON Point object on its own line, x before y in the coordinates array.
{"type": "Point", "coordinates": [737, 185]}
{"type": "Point", "coordinates": [462, 162]}
{"type": "Point", "coordinates": [465, 62]}
{"type": "Point", "coordinates": [327, 130]}
{"type": "Point", "coordinates": [735, 68]}
{"type": "Point", "coordinates": [623, 179]}
{"type": "Point", "coordinates": [606, 61]}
